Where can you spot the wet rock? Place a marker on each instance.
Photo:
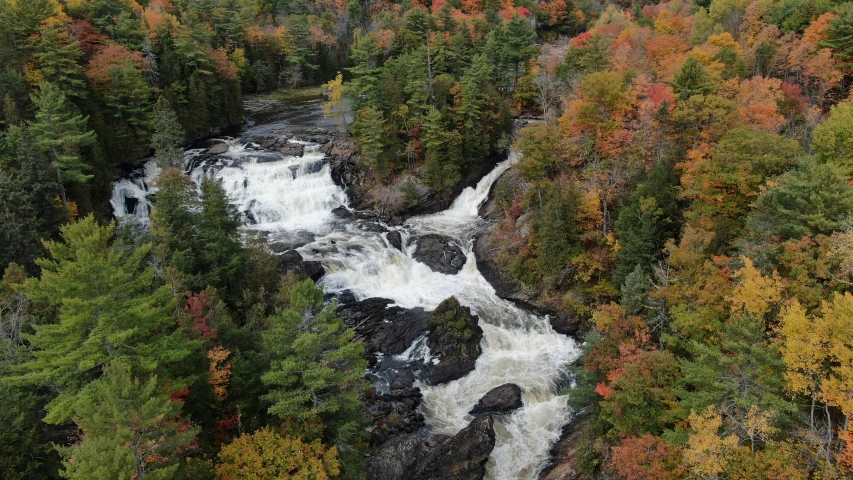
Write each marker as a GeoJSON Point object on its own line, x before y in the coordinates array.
{"type": "Point", "coordinates": [218, 149]}
{"type": "Point", "coordinates": [508, 288]}
{"type": "Point", "coordinates": [342, 212]}
{"type": "Point", "coordinates": [394, 413]}
{"type": "Point", "coordinates": [393, 459]}
{"type": "Point", "coordinates": [383, 329]}
{"type": "Point", "coordinates": [454, 336]}
{"type": "Point", "coordinates": [292, 261]}
{"type": "Point", "coordinates": [499, 400]}
{"type": "Point", "coordinates": [291, 149]}
{"type": "Point", "coordinates": [440, 254]}
{"type": "Point", "coordinates": [462, 457]}
{"type": "Point", "coordinates": [562, 464]}
{"type": "Point", "coordinates": [395, 239]}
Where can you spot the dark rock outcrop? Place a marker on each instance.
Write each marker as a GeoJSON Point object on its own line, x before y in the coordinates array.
{"type": "Point", "coordinates": [506, 287]}
{"type": "Point", "coordinates": [396, 412]}
{"type": "Point", "coordinates": [499, 400]}
{"type": "Point", "coordinates": [292, 261]}
{"type": "Point", "coordinates": [562, 464]}
{"type": "Point", "coordinates": [393, 460]}
{"type": "Point", "coordinates": [437, 457]}
{"type": "Point", "coordinates": [383, 329]}
{"type": "Point", "coordinates": [454, 335]}
{"type": "Point", "coordinates": [395, 239]}
{"type": "Point", "coordinates": [462, 457]}
{"type": "Point", "coordinates": [439, 253]}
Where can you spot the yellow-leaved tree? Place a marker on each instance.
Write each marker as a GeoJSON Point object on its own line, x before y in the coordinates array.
{"type": "Point", "coordinates": [335, 107]}
{"type": "Point", "coordinates": [818, 353]}
{"type": "Point", "coordinates": [267, 455]}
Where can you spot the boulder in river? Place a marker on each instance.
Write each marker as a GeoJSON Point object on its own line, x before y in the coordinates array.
{"type": "Point", "coordinates": [384, 329]}
{"type": "Point", "coordinates": [462, 457]}
{"type": "Point", "coordinates": [396, 412]}
{"type": "Point", "coordinates": [292, 261]}
{"type": "Point", "coordinates": [454, 335]}
{"type": "Point", "coordinates": [440, 254]}
{"type": "Point", "coordinates": [395, 239]}
{"type": "Point", "coordinates": [291, 149]}
{"type": "Point", "coordinates": [499, 400]}
{"type": "Point", "coordinates": [218, 148]}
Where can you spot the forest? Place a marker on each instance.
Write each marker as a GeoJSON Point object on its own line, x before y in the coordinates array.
{"type": "Point", "coordinates": [684, 195]}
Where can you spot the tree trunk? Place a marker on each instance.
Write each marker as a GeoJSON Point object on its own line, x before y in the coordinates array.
{"type": "Point", "coordinates": [62, 190]}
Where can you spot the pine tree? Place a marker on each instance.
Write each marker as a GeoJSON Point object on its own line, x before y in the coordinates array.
{"type": "Point", "coordinates": [316, 371]}
{"type": "Point", "coordinates": [370, 129]}
{"type": "Point", "coordinates": [650, 218]}
{"type": "Point", "coordinates": [168, 135]}
{"type": "Point", "coordinates": [365, 56]}
{"type": "Point", "coordinates": [520, 45]}
{"type": "Point", "coordinates": [130, 429]}
{"type": "Point", "coordinates": [59, 132]}
{"type": "Point", "coordinates": [108, 309]}
{"type": "Point", "coordinates": [58, 60]}
{"type": "Point", "coordinates": [691, 80]}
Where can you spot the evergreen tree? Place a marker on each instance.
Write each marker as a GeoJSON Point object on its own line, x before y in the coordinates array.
{"type": "Point", "coordinates": [108, 309]}
{"type": "Point", "coordinates": [520, 45]}
{"type": "Point", "coordinates": [649, 218]}
{"type": "Point", "coordinates": [738, 371]}
{"type": "Point", "coordinates": [839, 34]}
{"type": "Point", "coordinates": [130, 429]}
{"type": "Point", "coordinates": [556, 228]}
{"type": "Point", "coordinates": [168, 136]}
{"type": "Point", "coordinates": [812, 199]}
{"type": "Point", "coordinates": [370, 129]}
{"type": "Point", "coordinates": [58, 60]}
{"type": "Point", "coordinates": [316, 371]}
{"type": "Point", "coordinates": [691, 80]}
{"type": "Point", "coordinates": [59, 132]}
{"type": "Point", "coordinates": [366, 56]}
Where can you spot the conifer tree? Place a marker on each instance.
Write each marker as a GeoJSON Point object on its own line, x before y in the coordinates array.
{"type": "Point", "coordinates": [58, 60]}
{"type": "Point", "coordinates": [316, 371]}
{"type": "Point", "coordinates": [131, 429]}
{"type": "Point", "coordinates": [168, 135]}
{"type": "Point", "coordinates": [107, 309]}
{"type": "Point", "coordinates": [59, 131]}
{"type": "Point", "coordinates": [691, 80]}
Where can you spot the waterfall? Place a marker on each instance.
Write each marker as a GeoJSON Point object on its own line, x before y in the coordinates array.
{"type": "Point", "coordinates": [278, 193]}
{"type": "Point", "coordinates": [517, 347]}
{"type": "Point", "coordinates": [130, 194]}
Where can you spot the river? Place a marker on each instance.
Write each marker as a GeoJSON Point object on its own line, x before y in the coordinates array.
{"type": "Point", "coordinates": [291, 198]}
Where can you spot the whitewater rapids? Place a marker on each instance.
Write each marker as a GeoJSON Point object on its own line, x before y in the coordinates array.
{"type": "Point", "coordinates": [287, 195]}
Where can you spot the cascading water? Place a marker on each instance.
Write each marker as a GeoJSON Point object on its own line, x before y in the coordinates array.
{"type": "Point", "coordinates": [518, 347]}
{"type": "Point", "coordinates": [281, 194]}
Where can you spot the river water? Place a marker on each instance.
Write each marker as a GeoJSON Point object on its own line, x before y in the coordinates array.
{"type": "Point", "coordinates": [291, 198]}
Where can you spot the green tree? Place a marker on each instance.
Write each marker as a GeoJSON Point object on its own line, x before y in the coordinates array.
{"type": "Point", "coordinates": [814, 198]}
{"type": "Point", "coordinates": [727, 183]}
{"type": "Point", "coordinates": [519, 46]}
{"type": "Point", "coordinates": [736, 372]}
{"type": "Point", "coordinates": [107, 309]}
{"type": "Point", "coordinates": [691, 80]}
{"type": "Point", "coordinates": [29, 209]}
{"type": "Point", "coordinates": [370, 129]}
{"type": "Point", "coordinates": [168, 135]}
{"type": "Point", "coordinates": [839, 34]}
{"type": "Point", "coordinates": [316, 371]}
{"type": "Point", "coordinates": [833, 139]}
{"type": "Point", "coordinates": [366, 56]}
{"type": "Point", "coordinates": [556, 229]}
{"type": "Point", "coordinates": [59, 131]}
{"type": "Point", "coordinates": [649, 218]}
{"type": "Point", "coordinates": [130, 429]}
{"type": "Point", "coordinates": [58, 60]}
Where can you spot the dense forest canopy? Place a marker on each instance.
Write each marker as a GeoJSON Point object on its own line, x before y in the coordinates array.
{"type": "Point", "coordinates": [686, 194]}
